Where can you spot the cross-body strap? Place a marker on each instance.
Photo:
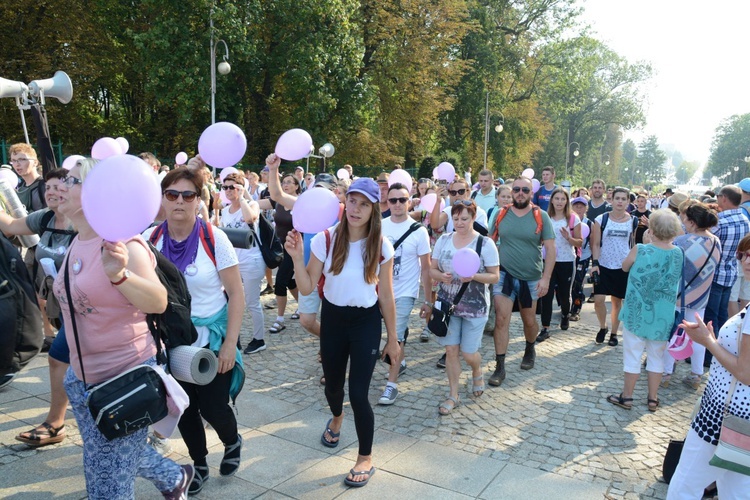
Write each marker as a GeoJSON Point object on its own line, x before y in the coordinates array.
{"type": "Point", "coordinates": [705, 263]}
{"type": "Point", "coordinates": [73, 314]}
{"type": "Point", "coordinates": [403, 237]}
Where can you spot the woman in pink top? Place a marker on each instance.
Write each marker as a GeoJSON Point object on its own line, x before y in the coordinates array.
{"type": "Point", "coordinates": [113, 286]}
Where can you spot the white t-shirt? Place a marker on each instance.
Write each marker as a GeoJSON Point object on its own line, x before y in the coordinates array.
{"type": "Point", "coordinates": [236, 221]}
{"type": "Point", "coordinates": [348, 288]}
{"type": "Point", "coordinates": [565, 252]}
{"type": "Point", "coordinates": [615, 242]}
{"type": "Point", "coordinates": [481, 218]}
{"type": "Point", "coordinates": [206, 290]}
{"type": "Point", "coordinates": [406, 264]}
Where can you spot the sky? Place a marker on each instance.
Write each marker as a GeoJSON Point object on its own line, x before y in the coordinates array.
{"type": "Point", "coordinates": [699, 54]}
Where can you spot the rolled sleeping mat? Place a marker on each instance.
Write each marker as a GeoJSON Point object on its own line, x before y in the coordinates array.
{"type": "Point", "coordinates": [194, 365]}
{"type": "Point", "coordinates": [239, 238]}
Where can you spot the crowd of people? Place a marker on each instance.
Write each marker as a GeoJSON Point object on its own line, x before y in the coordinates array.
{"type": "Point", "coordinates": [536, 248]}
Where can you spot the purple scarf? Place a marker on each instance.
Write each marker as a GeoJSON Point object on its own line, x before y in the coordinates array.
{"type": "Point", "coordinates": [182, 253]}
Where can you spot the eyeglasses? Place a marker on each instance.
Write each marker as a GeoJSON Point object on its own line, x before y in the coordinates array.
{"type": "Point", "coordinates": [524, 189]}
{"type": "Point", "coordinates": [20, 160]}
{"type": "Point", "coordinates": [227, 188]}
{"type": "Point", "coordinates": [742, 255]}
{"type": "Point", "coordinates": [467, 203]}
{"type": "Point", "coordinates": [187, 196]}
{"type": "Point", "coordinates": [393, 201]}
{"type": "Point", "coordinates": [457, 192]}
{"type": "Point", "coordinates": [71, 181]}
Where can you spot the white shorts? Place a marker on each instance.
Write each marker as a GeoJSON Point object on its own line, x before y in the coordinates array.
{"type": "Point", "coordinates": [632, 352]}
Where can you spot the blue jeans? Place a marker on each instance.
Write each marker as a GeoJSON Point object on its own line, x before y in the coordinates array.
{"type": "Point", "coordinates": [716, 311]}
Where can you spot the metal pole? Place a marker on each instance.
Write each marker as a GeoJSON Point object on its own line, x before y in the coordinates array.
{"type": "Point", "coordinates": [567, 155]}
{"type": "Point", "coordinates": [213, 72]}
{"type": "Point", "coordinates": [486, 127]}
{"type": "Point", "coordinates": [23, 122]}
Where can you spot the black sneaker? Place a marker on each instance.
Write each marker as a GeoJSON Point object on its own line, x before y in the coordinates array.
{"type": "Point", "coordinates": [441, 362]}
{"type": "Point", "coordinates": [613, 340]}
{"type": "Point", "coordinates": [564, 323]}
{"type": "Point", "coordinates": [267, 291]}
{"type": "Point", "coordinates": [600, 335]}
{"type": "Point", "coordinates": [7, 379]}
{"type": "Point", "coordinates": [543, 335]}
{"type": "Point", "coordinates": [255, 345]}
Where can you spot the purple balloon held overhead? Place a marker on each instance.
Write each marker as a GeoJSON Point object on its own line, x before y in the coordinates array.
{"type": "Point", "coordinates": [71, 160]}
{"type": "Point", "coordinates": [181, 158]}
{"type": "Point", "coordinates": [400, 176]}
{"type": "Point", "coordinates": [535, 185]}
{"type": "Point", "coordinates": [120, 197]}
{"type": "Point", "coordinates": [294, 145]}
{"type": "Point", "coordinates": [445, 171]}
{"type": "Point", "coordinates": [227, 171]}
{"type": "Point", "coordinates": [105, 147]}
{"type": "Point", "coordinates": [466, 262]}
{"type": "Point", "coordinates": [124, 144]}
{"type": "Point", "coordinates": [315, 210]}
{"type": "Point", "coordinates": [528, 173]}
{"type": "Point", "coordinates": [222, 145]}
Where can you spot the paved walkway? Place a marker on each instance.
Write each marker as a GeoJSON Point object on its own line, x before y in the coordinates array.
{"type": "Point", "coordinates": [545, 433]}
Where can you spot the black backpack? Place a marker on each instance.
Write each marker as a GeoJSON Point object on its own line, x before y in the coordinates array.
{"type": "Point", "coordinates": [21, 335]}
{"type": "Point", "coordinates": [270, 246]}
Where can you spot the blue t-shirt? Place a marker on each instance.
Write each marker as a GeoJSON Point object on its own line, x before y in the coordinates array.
{"type": "Point", "coordinates": [542, 197]}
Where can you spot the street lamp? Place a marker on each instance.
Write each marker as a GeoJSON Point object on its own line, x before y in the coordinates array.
{"type": "Point", "coordinates": [606, 160]}
{"type": "Point", "coordinates": [224, 68]}
{"type": "Point", "coordinates": [576, 152]}
{"type": "Point", "coordinates": [498, 128]}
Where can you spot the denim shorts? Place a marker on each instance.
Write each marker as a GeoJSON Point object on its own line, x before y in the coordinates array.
{"type": "Point", "coordinates": [309, 304]}
{"type": "Point", "coordinates": [404, 306]}
{"type": "Point", "coordinates": [466, 332]}
{"type": "Point", "coordinates": [497, 288]}
{"type": "Point", "coordinates": [59, 349]}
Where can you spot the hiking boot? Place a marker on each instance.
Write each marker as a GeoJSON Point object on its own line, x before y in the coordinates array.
{"type": "Point", "coordinates": [527, 363]}
{"type": "Point", "coordinates": [564, 322]}
{"type": "Point", "coordinates": [389, 395]}
{"type": "Point", "coordinates": [255, 345]}
{"type": "Point", "coordinates": [441, 362]}
{"type": "Point", "coordinates": [543, 335]}
{"type": "Point", "coordinates": [497, 377]}
{"type": "Point", "coordinates": [600, 335]}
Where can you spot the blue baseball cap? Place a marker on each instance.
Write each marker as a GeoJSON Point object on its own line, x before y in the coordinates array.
{"type": "Point", "coordinates": [744, 184]}
{"type": "Point", "coordinates": [367, 187]}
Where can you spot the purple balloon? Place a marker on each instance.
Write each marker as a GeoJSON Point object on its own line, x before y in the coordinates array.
{"type": "Point", "coordinates": [528, 173]}
{"type": "Point", "coordinates": [71, 160]}
{"type": "Point", "coordinates": [9, 176]}
{"type": "Point", "coordinates": [535, 185]}
{"type": "Point", "coordinates": [315, 210]}
{"type": "Point", "coordinates": [105, 147]}
{"type": "Point", "coordinates": [120, 197]}
{"type": "Point", "coordinates": [227, 171]}
{"type": "Point", "coordinates": [466, 262]}
{"type": "Point", "coordinates": [446, 171]}
{"type": "Point", "coordinates": [294, 145]}
{"type": "Point", "coordinates": [124, 144]}
{"type": "Point", "coordinates": [181, 158]}
{"type": "Point", "coordinates": [401, 176]}
{"type": "Point", "coordinates": [222, 145]}
{"type": "Point", "coordinates": [585, 231]}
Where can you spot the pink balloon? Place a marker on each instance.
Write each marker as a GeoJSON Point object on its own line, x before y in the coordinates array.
{"type": "Point", "coordinates": [120, 197]}
{"type": "Point", "coordinates": [227, 171]}
{"type": "Point", "coordinates": [294, 145]}
{"type": "Point", "coordinates": [435, 173]}
{"type": "Point", "coordinates": [105, 147]}
{"type": "Point", "coordinates": [124, 144]}
{"type": "Point", "coordinates": [400, 176]}
{"type": "Point", "coordinates": [9, 176]}
{"type": "Point", "coordinates": [585, 231]}
{"type": "Point", "coordinates": [315, 210]}
{"type": "Point", "coordinates": [71, 160]}
{"type": "Point", "coordinates": [535, 185]}
{"type": "Point", "coordinates": [222, 145]}
{"type": "Point", "coordinates": [428, 202]}
{"type": "Point", "coordinates": [181, 158]}
{"type": "Point", "coordinates": [223, 198]}
{"type": "Point", "coordinates": [446, 171]}
{"type": "Point", "coordinates": [342, 174]}
{"type": "Point", "coordinates": [528, 173]}
{"type": "Point", "coordinates": [466, 262]}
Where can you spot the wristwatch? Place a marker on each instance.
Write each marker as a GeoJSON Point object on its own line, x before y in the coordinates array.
{"type": "Point", "coordinates": [125, 276]}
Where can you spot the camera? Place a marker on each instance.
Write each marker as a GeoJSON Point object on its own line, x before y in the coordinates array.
{"type": "Point", "coordinates": [595, 279]}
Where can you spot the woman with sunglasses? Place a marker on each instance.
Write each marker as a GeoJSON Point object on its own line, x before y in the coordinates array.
{"type": "Point", "coordinates": [242, 213]}
{"type": "Point", "coordinates": [217, 318]}
{"type": "Point", "coordinates": [731, 361]}
{"type": "Point", "coordinates": [467, 323]}
{"type": "Point", "coordinates": [112, 287]}
{"type": "Point", "coordinates": [443, 221]}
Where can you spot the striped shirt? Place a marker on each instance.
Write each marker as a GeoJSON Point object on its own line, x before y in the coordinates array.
{"type": "Point", "coordinates": [699, 250]}
{"type": "Point", "coordinates": [732, 227]}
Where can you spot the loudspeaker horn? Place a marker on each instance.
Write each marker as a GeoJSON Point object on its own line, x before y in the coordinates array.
{"type": "Point", "coordinates": [59, 87]}
{"type": "Point", "coordinates": [11, 88]}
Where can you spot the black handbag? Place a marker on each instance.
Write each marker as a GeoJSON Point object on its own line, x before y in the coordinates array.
{"type": "Point", "coordinates": [442, 312]}
{"type": "Point", "coordinates": [126, 403]}
{"type": "Point", "coordinates": [270, 246]}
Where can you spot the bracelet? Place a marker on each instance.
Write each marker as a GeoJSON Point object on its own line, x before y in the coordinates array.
{"type": "Point", "coordinates": [428, 304]}
{"type": "Point", "coordinates": [595, 262]}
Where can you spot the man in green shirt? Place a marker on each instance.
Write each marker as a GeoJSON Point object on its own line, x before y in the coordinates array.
{"type": "Point", "coordinates": [524, 275]}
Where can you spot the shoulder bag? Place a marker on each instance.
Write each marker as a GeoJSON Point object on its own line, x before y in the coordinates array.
{"type": "Point", "coordinates": [442, 312]}
{"type": "Point", "coordinates": [126, 403]}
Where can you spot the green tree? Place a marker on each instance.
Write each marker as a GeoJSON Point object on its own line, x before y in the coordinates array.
{"type": "Point", "coordinates": [686, 170]}
{"type": "Point", "coordinates": [651, 159]}
{"type": "Point", "coordinates": [729, 148]}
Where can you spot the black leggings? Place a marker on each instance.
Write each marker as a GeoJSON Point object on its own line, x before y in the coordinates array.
{"type": "Point", "coordinates": [577, 294]}
{"type": "Point", "coordinates": [211, 402]}
{"type": "Point", "coordinates": [351, 333]}
{"type": "Point", "coordinates": [284, 277]}
{"type": "Point", "coordinates": [562, 278]}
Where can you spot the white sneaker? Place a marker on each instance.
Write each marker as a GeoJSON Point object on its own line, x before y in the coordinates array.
{"type": "Point", "coordinates": [161, 445]}
{"type": "Point", "coordinates": [389, 395]}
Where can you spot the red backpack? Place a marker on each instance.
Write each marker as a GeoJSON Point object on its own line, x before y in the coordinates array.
{"type": "Point", "coordinates": [503, 211]}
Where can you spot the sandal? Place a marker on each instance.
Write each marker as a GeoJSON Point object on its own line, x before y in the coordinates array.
{"type": "Point", "coordinates": [445, 408]}
{"type": "Point", "coordinates": [333, 435]}
{"type": "Point", "coordinates": [295, 315]}
{"type": "Point", "coordinates": [653, 404]}
{"type": "Point", "coordinates": [620, 401]}
{"type": "Point", "coordinates": [42, 435]}
{"type": "Point", "coordinates": [277, 327]}
{"type": "Point", "coordinates": [356, 484]}
{"type": "Point", "coordinates": [231, 460]}
{"type": "Point", "coordinates": [200, 477]}
{"type": "Point", "coordinates": [477, 389]}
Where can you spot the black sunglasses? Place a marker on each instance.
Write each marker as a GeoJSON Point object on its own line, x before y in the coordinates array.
{"type": "Point", "coordinates": [227, 188]}
{"type": "Point", "coordinates": [393, 201]}
{"type": "Point", "coordinates": [457, 191]}
{"type": "Point", "coordinates": [524, 189]}
{"type": "Point", "coordinates": [187, 196]}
